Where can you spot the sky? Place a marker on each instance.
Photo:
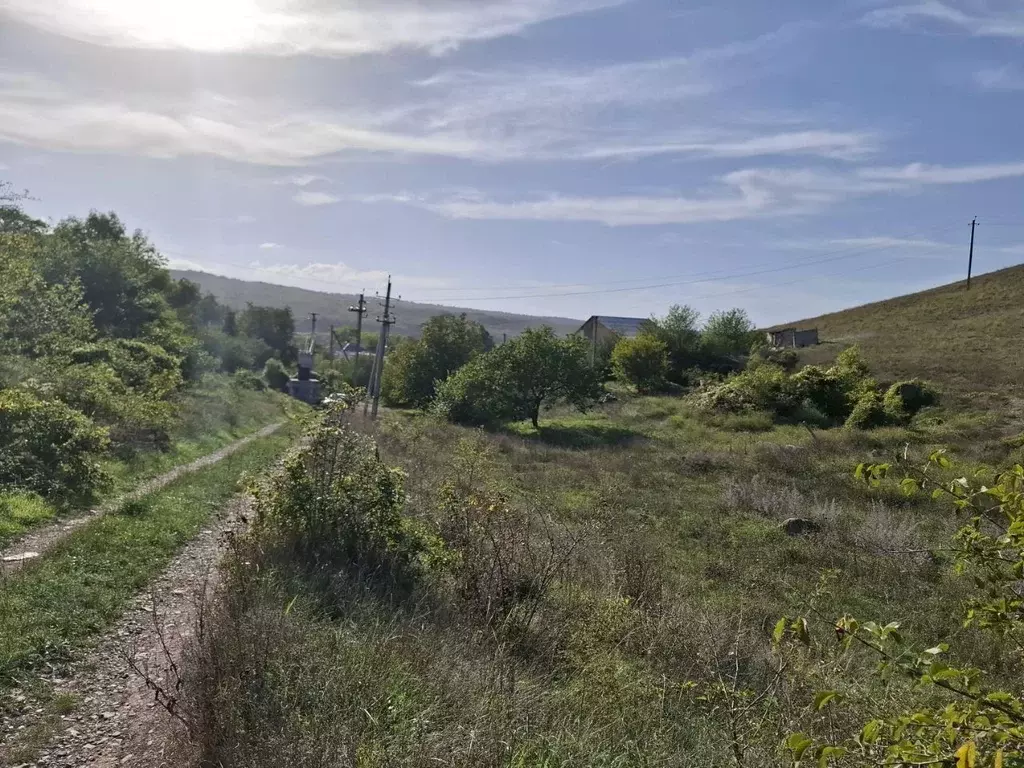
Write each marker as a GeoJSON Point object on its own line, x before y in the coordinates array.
{"type": "Point", "coordinates": [557, 157]}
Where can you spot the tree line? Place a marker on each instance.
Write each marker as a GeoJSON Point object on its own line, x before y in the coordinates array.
{"type": "Point", "coordinates": [97, 345]}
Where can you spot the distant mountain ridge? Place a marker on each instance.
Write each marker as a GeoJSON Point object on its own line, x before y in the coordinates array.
{"type": "Point", "coordinates": [332, 308]}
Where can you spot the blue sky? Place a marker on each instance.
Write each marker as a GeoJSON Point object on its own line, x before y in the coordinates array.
{"type": "Point", "coordinates": [569, 157]}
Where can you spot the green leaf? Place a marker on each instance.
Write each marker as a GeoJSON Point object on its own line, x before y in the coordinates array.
{"type": "Point", "coordinates": [798, 744]}
{"type": "Point", "coordinates": [823, 698]}
{"type": "Point", "coordinates": [800, 627]}
{"type": "Point", "coordinates": [780, 629]}
{"type": "Point", "coordinates": [871, 732]}
{"type": "Point", "coordinates": [909, 486]}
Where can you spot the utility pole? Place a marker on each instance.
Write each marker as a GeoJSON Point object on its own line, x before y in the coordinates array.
{"type": "Point", "coordinates": [330, 344]}
{"type": "Point", "coordinates": [312, 330]}
{"type": "Point", "coordinates": [970, 257]}
{"type": "Point", "coordinates": [360, 311]}
{"type": "Point", "coordinates": [378, 363]}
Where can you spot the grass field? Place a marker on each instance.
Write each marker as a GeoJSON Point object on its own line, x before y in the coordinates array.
{"type": "Point", "coordinates": [966, 341]}
{"type": "Point", "coordinates": [210, 417]}
{"type": "Point", "coordinates": [646, 542]}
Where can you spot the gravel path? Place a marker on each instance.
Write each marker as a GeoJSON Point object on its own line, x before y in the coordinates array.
{"type": "Point", "coordinates": [34, 544]}
{"type": "Point", "coordinates": [116, 721]}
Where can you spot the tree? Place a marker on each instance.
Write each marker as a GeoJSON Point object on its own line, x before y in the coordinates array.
{"type": "Point", "coordinates": [415, 367]}
{"type": "Point", "coordinates": [680, 332]}
{"type": "Point", "coordinates": [515, 380]}
{"type": "Point", "coordinates": [642, 362]}
{"type": "Point", "coordinates": [275, 374]}
{"type": "Point", "coordinates": [274, 326]}
{"type": "Point", "coordinates": [728, 333]}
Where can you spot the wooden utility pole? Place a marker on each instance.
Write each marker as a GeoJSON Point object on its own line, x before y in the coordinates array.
{"type": "Point", "coordinates": [330, 344]}
{"type": "Point", "coordinates": [970, 256]}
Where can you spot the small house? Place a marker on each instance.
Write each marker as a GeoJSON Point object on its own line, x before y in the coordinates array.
{"type": "Point", "coordinates": [793, 338]}
{"type": "Point", "coordinates": [603, 330]}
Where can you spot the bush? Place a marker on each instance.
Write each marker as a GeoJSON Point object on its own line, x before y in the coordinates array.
{"type": "Point", "coordinates": [248, 380]}
{"type": "Point", "coordinates": [275, 374]}
{"type": "Point", "coordinates": [825, 391]}
{"type": "Point", "coordinates": [905, 398]}
{"type": "Point", "coordinates": [766, 388]}
{"type": "Point", "coordinates": [641, 362]}
{"type": "Point", "coordinates": [869, 412]}
{"type": "Point", "coordinates": [49, 448]}
{"type": "Point", "coordinates": [335, 500]}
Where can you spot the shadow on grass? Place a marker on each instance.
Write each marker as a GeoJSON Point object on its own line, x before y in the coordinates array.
{"type": "Point", "coordinates": [579, 436]}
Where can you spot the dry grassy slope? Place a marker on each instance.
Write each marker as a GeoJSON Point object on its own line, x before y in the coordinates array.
{"type": "Point", "coordinates": [968, 342]}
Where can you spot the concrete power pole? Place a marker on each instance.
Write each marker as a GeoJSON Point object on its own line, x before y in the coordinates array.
{"type": "Point", "coordinates": [970, 256]}
{"type": "Point", "coordinates": [360, 310]}
{"type": "Point", "coordinates": [378, 363]}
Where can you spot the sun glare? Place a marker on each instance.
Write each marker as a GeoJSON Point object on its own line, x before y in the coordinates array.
{"type": "Point", "coordinates": [204, 25]}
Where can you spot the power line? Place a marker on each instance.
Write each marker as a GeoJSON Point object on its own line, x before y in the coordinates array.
{"type": "Point", "coordinates": [809, 260]}
{"type": "Point", "coordinates": [830, 258]}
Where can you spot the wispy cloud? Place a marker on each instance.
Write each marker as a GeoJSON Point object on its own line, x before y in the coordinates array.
{"type": "Point", "coordinates": [980, 18]}
{"type": "Point", "coordinates": [304, 179]}
{"type": "Point", "coordinates": [501, 122]}
{"type": "Point", "coordinates": [305, 197]}
{"type": "Point", "coordinates": [245, 218]}
{"type": "Point", "coordinates": [920, 173]}
{"type": "Point", "coordinates": [341, 276]}
{"type": "Point", "coordinates": [290, 27]}
{"type": "Point", "coordinates": [743, 194]}
{"type": "Point", "coordinates": [268, 246]}
{"type": "Point", "coordinates": [1004, 78]}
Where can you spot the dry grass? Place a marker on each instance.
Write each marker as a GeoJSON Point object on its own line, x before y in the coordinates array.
{"type": "Point", "coordinates": [967, 342]}
{"type": "Point", "coordinates": [585, 601]}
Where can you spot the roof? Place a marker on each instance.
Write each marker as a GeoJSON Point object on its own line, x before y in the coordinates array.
{"type": "Point", "coordinates": [623, 326]}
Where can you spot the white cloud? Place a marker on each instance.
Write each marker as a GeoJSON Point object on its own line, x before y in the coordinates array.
{"type": "Point", "coordinates": [304, 180]}
{"type": "Point", "coordinates": [290, 27]}
{"type": "Point", "coordinates": [268, 246]}
{"type": "Point", "coordinates": [979, 18]}
{"type": "Point", "coordinates": [920, 173]}
{"type": "Point", "coordinates": [306, 197]}
{"type": "Point", "coordinates": [245, 218]}
{"type": "Point", "coordinates": [341, 276]}
{"type": "Point", "coordinates": [1005, 78]}
{"type": "Point", "coordinates": [38, 113]}
{"type": "Point", "coordinates": [742, 194]}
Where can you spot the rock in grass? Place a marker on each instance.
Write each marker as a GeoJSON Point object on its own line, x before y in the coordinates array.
{"type": "Point", "coordinates": [799, 526]}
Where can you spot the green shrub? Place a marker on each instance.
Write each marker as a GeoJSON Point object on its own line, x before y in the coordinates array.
{"type": "Point", "coordinates": [905, 398]}
{"type": "Point", "coordinates": [825, 391]}
{"type": "Point", "coordinates": [766, 388]}
{"type": "Point", "coordinates": [276, 375]}
{"type": "Point", "coordinates": [336, 500]}
{"type": "Point", "coordinates": [869, 412]}
{"type": "Point", "coordinates": [49, 448]}
{"type": "Point", "coordinates": [248, 380]}
{"type": "Point", "coordinates": [641, 362]}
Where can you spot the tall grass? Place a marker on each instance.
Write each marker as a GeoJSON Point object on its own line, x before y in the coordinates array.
{"type": "Point", "coordinates": [525, 598]}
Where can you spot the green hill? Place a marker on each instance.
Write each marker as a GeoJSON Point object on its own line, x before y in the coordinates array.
{"type": "Point", "coordinates": [331, 308]}
{"type": "Point", "coordinates": [969, 342]}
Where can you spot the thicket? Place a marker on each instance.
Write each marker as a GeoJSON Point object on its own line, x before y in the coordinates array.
{"type": "Point", "coordinates": [98, 344]}
{"type": "Point", "coordinates": [415, 367]}
{"type": "Point", "coordinates": [843, 394]}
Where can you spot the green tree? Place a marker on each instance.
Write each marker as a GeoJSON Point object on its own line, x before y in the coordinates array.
{"type": "Point", "coordinates": [275, 326]}
{"type": "Point", "coordinates": [728, 333]}
{"type": "Point", "coordinates": [414, 367]}
{"type": "Point", "coordinates": [515, 380]}
{"type": "Point", "coordinates": [679, 330]}
{"type": "Point", "coordinates": [641, 362]}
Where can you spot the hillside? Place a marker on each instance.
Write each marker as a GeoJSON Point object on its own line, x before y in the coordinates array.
{"type": "Point", "coordinates": [331, 308]}
{"type": "Point", "coordinates": [968, 342]}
